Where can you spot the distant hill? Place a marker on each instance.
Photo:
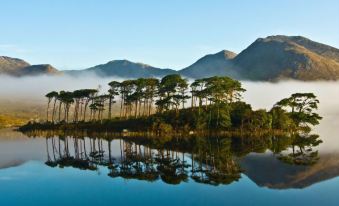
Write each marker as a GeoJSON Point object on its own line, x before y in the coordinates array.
{"type": "Point", "coordinates": [18, 67]}
{"type": "Point", "coordinates": [219, 64]}
{"type": "Point", "coordinates": [39, 69]}
{"type": "Point", "coordinates": [124, 69]}
{"type": "Point", "coordinates": [283, 57]}
{"type": "Point", "coordinates": [10, 66]}
{"type": "Point", "coordinates": [267, 59]}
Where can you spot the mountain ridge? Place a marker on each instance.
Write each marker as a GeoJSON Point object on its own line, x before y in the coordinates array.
{"type": "Point", "coordinates": [124, 69]}
{"type": "Point", "coordinates": [9, 65]}
{"type": "Point", "coordinates": [220, 62]}
{"type": "Point", "coordinates": [18, 67]}
{"type": "Point", "coordinates": [285, 58]}
{"type": "Point", "coordinates": [272, 58]}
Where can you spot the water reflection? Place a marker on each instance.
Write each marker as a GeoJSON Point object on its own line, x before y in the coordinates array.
{"type": "Point", "coordinates": [206, 160]}
{"type": "Point", "coordinates": [302, 150]}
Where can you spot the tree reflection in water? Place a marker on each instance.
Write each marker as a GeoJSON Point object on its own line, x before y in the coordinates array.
{"type": "Point", "coordinates": [302, 152]}
{"type": "Point", "coordinates": [207, 160]}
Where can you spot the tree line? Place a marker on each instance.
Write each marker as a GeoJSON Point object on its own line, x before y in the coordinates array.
{"type": "Point", "coordinates": [142, 97]}
{"type": "Point", "coordinates": [214, 103]}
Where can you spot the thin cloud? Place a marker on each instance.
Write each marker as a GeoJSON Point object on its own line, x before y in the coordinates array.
{"type": "Point", "coordinates": [12, 48]}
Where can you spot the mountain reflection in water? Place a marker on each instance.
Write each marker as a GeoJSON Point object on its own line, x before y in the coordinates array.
{"type": "Point", "coordinates": [275, 162]}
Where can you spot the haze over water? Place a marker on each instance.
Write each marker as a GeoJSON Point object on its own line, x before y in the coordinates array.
{"type": "Point", "coordinates": [261, 95]}
{"type": "Point", "coordinates": [22, 168]}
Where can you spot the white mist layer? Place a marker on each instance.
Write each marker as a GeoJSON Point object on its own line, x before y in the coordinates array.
{"type": "Point", "coordinates": [32, 88]}
{"type": "Point", "coordinates": [258, 94]}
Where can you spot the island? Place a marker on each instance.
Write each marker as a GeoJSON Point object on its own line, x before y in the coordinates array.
{"type": "Point", "coordinates": [173, 106]}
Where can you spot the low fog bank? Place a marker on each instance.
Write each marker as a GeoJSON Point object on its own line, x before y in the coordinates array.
{"type": "Point", "coordinates": [35, 88]}
{"type": "Point", "coordinates": [265, 95]}
{"type": "Point", "coordinates": [258, 94]}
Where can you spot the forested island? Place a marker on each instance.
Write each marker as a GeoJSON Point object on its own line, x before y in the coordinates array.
{"type": "Point", "coordinates": [172, 105]}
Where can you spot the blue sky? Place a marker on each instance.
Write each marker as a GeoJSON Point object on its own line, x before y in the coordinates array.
{"type": "Point", "coordinates": [71, 34]}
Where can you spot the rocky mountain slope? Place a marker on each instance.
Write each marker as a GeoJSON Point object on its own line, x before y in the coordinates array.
{"type": "Point", "coordinates": [218, 64]}
{"type": "Point", "coordinates": [18, 67]}
{"type": "Point", "coordinates": [11, 66]}
{"type": "Point", "coordinates": [283, 57]}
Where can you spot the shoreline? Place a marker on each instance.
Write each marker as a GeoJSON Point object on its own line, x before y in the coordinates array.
{"type": "Point", "coordinates": [115, 130]}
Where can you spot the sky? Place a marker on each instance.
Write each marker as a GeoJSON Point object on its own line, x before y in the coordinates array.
{"type": "Point", "coordinates": [77, 34]}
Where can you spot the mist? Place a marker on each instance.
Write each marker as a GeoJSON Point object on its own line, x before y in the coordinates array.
{"type": "Point", "coordinates": [259, 95]}
{"type": "Point", "coordinates": [35, 87]}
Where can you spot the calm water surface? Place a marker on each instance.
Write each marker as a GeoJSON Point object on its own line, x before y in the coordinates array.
{"type": "Point", "coordinates": [76, 170]}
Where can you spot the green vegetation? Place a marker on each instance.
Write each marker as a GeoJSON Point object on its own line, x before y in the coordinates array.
{"type": "Point", "coordinates": [161, 107]}
{"type": "Point", "coordinates": [301, 107]}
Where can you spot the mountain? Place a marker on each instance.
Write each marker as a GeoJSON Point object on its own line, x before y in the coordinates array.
{"type": "Point", "coordinates": [124, 69]}
{"type": "Point", "coordinates": [218, 64]}
{"type": "Point", "coordinates": [287, 57]}
{"type": "Point", "coordinates": [10, 66]}
{"type": "Point", "coordinates": [39, 70]}
{"type": "Point", "coordinates": [18, 67]}
{"type": "Point", "coordinates": [266, 59]}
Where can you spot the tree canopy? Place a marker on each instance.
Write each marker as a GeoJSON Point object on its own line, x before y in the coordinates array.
{"type": "Point", "coordinates": [215, 104]}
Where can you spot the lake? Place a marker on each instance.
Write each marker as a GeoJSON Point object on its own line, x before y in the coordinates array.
{"type": "Point", "coordinates": [83, 169]}
{"type": "Point", "coordinates": [76, 170]}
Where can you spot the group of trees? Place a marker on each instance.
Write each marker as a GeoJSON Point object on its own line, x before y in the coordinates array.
{"type": "Point", "coordinates": [215, 103]}
{"type": "Point", "coordinates": [296, 112]}
{"type": "Point", "coordinates": [142, 97]}
{"type": "Point", "coordinates": [300, 109]}
{"type": "Point", "coordinates": [137, 98]}
{"type": "Point", "coordinates": [65, 99]}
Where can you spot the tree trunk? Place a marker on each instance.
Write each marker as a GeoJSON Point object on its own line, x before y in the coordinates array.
{"type": "Point", "coordinates": [121, 105]}
{"type": "Point", "coordinates": [53, 112]}
{"type": "Point", "coordinates": [49, 101]}
{"type": "Point", "coordinates": [86, 104]}
{"type": "Point", "coordinates": [110, 108]}
{"type": "Point", "coordinates": [60, 111]}
{"type": "Point", "coordinates": [136, 109]}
